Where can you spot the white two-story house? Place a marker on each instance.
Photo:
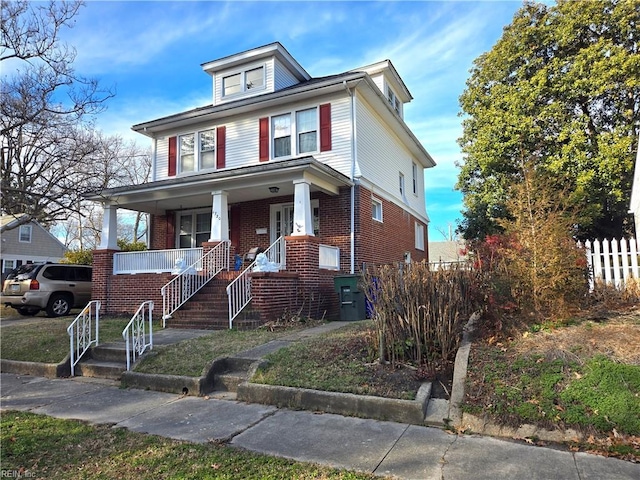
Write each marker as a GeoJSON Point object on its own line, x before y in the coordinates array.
{"type": "Point", "coordinates": [321, 173]}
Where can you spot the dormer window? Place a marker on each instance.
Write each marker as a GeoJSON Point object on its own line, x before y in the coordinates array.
{"type": "Point", "coordinates": [243, 82]}
{"type": "Point", "coordinates": [394, 101]}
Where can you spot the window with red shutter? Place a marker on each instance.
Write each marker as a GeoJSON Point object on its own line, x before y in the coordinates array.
{"type": "Point", "coordinates": [325, 127]}
{"type": "Point", "coordinates": [173, 142]}
{"type": "Point", "coordinates": [264, 139]}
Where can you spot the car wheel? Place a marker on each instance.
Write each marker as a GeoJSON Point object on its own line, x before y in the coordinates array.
{"type": "Point", "coordinates": [27, 312]}
{"type": "Point", "coordinates": [59, 305]}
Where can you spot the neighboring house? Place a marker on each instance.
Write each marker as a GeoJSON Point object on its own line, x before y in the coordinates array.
{"type": "Point", "coordinates": [322, 172]}
{"type": "Point", "coordinates": [26, 243]}
{"type": "Point", "coordinates": [634, 206]}
{"type": "Point", "coordinates": [446, 253]}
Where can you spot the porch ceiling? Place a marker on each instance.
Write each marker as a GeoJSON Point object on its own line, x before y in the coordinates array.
{"type": "Point", "coordinates": [241, 184]}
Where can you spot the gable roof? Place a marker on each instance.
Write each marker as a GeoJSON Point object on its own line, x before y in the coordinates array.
{"type": "Point", "coordinates": [266, 51]}
{"type": "Point", "coordinates": [10, 221]}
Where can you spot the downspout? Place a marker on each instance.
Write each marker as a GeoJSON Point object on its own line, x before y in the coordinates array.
{"type": "Point", "coordinates": [352, 174]}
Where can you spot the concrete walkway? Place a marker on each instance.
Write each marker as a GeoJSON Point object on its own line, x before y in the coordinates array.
{"type": "Point", "coordinates": [383, 448]}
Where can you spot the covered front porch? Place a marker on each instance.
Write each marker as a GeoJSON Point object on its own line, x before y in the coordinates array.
{"type": "Point", "coordinates": [287, 209]}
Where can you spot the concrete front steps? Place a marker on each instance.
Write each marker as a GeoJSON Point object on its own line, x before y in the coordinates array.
{"type": "Point", "coordinates": [104, 361]}
{"type": "Point", "coordinates": [209, 308]}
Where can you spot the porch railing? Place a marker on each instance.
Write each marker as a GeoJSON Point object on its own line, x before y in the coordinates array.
{"type": "Point", "coordinates": [154, 261]}
{"type": "Point", "coordinates": [193, 278]}
{"type": "Point", "coordinates": [239, 291]}
{"type": "Point", "coordinates": [135, 333]}
{"type": "Point", "coordinates": [81, 336]}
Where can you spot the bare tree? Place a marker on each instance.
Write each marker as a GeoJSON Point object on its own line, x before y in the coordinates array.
{"type": "Point", "coordinates": [116, 163]}
{"type": "Point", "coordinates": [48, 145]}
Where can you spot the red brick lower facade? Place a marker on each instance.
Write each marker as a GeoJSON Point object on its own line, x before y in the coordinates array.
{"type": "Point", "coordinates": [303, 287]}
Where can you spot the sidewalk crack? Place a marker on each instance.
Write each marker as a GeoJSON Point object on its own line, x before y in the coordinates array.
{"type": "Point", "coordinates": [443, 459]}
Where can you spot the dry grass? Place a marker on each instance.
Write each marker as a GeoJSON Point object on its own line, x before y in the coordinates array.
{"type": "Point", "coordinates": [615, 335]}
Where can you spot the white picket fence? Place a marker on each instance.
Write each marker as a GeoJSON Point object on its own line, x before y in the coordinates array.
{"type": "Point", "coordinates": [613, 262]}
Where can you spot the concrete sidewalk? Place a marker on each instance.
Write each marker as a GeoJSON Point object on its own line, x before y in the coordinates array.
{"type": "Point", "coordinates": [383, 448]}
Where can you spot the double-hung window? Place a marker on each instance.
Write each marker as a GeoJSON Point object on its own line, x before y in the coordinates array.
{"type": "Point", "coordinates": [401, 184]}
{"type": "Point", "coordinates": [25, 234]}
{"type": "Point", "coordinates": [192, 160]}
{"type": "Point", "coordinates": [376, 209]}
{"type": "Point", "coordinates": [414, 172]}
{"type": "Point", "coordinates": [295, 133]}
{"type": "Point", "coordinates": [307, 130]}
{"type": "Point", "coordinates": [281, 128]}
{"type": "Point", "coordinates": [187, 152]}
{"type": "Point", "coordinates": [194, 228]}
{"type": "Point", "coordinates": [207, 149]}
{"type": "Point", "coordinates": [419, 243]}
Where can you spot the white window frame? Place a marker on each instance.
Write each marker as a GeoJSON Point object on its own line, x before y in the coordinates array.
{"type": "Point", "coordinates": [419, 233]}
{"type": "Point", "coordinates": [8, 265]}
{"type": "Point", "coordinates": [194, 228]}
{"type": "Point", "coordinates": [299, 131]}
{"type": "Point", "coordinates": [294, 132]}
{"type": "Point", "coordinates": [402, 185]}
{"type": "Point", "coordinates": [291, 135]}
{"type": "Point", "coordinates": [21, 233]}
{"type": "Point", "coordinates": [181, 141]}
{"type": "Point", "coordinates": [200, 150]}
{"type": "Point", "coordinates": [375, 202]}
{"type": "Point", "coordinates": [244, 86]}
{"type": "Point", "coordinates": [414, 173]}
{"type": "Point", "coordinates": [197, 151]}
{"type": "Point", "coordinates": [394, 101]}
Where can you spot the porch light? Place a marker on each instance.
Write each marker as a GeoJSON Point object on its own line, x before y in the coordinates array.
{"type": "Point", "coordinates": [274, 189]}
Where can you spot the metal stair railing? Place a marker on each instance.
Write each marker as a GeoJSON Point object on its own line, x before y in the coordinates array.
{"type": "Point", "coordinates": [239, 291]}
{"type": "Point", "coordinates": [81, 332]}
{"type": "Point", "coordinates": [193, 278]}
{"type": "Point", "coordinates": [134, 334]}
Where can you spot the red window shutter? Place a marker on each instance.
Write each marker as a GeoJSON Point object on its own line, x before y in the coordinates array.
{"type": "Point", "coordinates": [170, 238]}
{"type": "Point", "coordinates": [221, 146]}
{"type": "Point", "coordinates": [173, 153]}
{"type": "Point", "coordinates": [325, 127]}
{"type": "Point", "coordinates": [264, 139]}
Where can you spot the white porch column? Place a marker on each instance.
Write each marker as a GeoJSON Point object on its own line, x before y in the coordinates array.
{"type": "Point", "coordinates": [109, 236]}
{"type": "Point", "coordinates": [219, 217]}
{"type": "Point", "coordinates": [302, 217]}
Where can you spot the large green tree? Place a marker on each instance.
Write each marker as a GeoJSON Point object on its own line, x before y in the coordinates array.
{"type": "Point", "coordinates": [559, 93]}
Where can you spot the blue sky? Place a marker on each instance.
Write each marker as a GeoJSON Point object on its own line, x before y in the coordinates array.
{"type": "Point", "coordinates": [151, 53]}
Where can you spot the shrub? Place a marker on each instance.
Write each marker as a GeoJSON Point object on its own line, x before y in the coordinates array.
{"type": "Point", "coordinates": [418, 313]}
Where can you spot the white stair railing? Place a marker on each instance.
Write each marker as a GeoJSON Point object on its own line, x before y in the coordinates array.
{"type": "Point", "coordinates": [193, 278]}
{"type": "Point", "coordinates": [135, 333]}
{"type": "Point", "coordinates": [81, 331]}
{"type": "Point", "coordinates": [239, 291]}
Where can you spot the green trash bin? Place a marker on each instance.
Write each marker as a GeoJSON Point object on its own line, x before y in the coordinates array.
{"type": "Point", "coordinates": [352, 299]}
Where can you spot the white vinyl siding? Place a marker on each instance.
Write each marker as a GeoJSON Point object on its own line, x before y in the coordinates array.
{"type": "Point", "coordinates": [242, 136]}
{"type": "Point", "coordinates": [283, 78]}
{"type": "Point", "coordinates": [378, 150]}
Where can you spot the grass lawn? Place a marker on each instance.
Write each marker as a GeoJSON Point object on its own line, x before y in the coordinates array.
{"type": "Point", "coordinates": [339, 361]}
{"type": "Point", "coordinates": [585, 375]}
{"type": "Point", "coordinates": [43, 447]}
{"type": "Point", "coordinates": [47, 340]}
{"type": "Point", "coordinates": [192, 357]}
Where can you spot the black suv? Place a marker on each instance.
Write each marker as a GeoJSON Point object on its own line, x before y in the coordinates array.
{"type": "Point", "coordinates": [54, 287]}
